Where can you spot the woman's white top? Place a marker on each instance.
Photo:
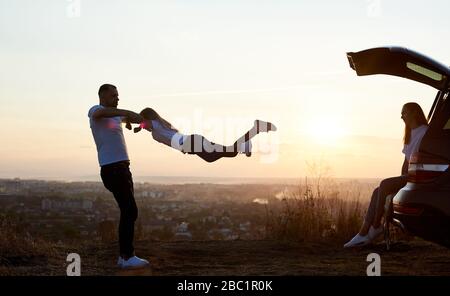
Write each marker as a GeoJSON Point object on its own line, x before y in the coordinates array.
{"type": "Point", "coordinates": [414, 144]}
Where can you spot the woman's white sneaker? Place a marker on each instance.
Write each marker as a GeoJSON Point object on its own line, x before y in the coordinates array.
{"type": "Point", "coordinates": [358, 241]}
{"type": "Point", "coordinates": [134, 263]}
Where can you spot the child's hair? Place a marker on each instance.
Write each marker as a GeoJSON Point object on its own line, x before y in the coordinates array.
{"type": "Point", "coordinates": [150, 114]}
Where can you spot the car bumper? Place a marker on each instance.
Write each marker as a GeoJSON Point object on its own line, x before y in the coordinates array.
{"type": "Point", "coordinates": [426, 195]}
{"type": "Point", "coordinates": [433, 223]}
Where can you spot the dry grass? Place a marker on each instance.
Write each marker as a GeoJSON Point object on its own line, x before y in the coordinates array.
{"type": "Point", "coordinates": [17, 243]}
{"type": "Point", "coordinates": [319, 210]}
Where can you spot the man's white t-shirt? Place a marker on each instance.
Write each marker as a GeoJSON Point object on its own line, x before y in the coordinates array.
{"type": "Point", "coordinates": [416, 137]}
{"type": "Point", "coordinates": [108, 137]}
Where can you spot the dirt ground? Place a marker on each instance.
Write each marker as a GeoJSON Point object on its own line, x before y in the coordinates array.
{"type": "Point", "coordinates": [225, 258]}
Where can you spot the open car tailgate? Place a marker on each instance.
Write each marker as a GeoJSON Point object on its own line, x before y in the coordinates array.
{"type": "Point", "coordinates": [402, 62]}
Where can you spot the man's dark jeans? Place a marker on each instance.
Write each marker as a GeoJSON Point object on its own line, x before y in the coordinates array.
{"type": "Point", "coordinates": [117, 178]}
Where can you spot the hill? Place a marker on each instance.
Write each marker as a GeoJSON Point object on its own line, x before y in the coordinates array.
{"type": "Point", "coordinates": [185, 258]}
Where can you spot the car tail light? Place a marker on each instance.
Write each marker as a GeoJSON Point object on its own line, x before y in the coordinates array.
{"type": "Point", "coordinates": [424, 168]}
{"type": "Point", "coordinates": [408, 209]}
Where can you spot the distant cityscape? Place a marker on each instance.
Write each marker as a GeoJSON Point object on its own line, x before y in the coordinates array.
{"type": "Point", "coordinates": [62, 211]}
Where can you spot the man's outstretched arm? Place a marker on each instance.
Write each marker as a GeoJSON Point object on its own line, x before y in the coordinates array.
{"type": "Point", "coordinates": [131, 116]}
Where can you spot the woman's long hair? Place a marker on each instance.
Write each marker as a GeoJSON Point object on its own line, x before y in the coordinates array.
{"type": "Point", "coordinates": [415, 110]}
{"type": "Point", "coordinates": [150, 114]}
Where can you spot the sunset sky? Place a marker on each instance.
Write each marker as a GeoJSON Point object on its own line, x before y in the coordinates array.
{"type": "Point", "coordinates": [211, 67]}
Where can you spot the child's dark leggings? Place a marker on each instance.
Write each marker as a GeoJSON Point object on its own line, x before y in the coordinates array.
{"type": "Point", "coordinates": [207, 150]}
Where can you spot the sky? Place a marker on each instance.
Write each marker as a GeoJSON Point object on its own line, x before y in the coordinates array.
{"type": "Point", "coordinates": [211, 67]}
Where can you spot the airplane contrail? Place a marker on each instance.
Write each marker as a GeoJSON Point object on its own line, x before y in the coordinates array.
{"type": "Point", "coordinates": [242, 91]}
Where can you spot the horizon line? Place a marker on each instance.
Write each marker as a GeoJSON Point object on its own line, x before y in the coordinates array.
{"type": "Point", "coordinates": [183, 179]}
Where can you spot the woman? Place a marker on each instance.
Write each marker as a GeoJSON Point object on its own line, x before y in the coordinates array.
{"type": "Point", "coordinates": [416, 126]}
{"type": "Point", "coordinates": [163, 132]}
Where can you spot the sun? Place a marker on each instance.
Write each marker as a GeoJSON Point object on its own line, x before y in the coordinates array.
{"type": "Point", "coordinates": [325, 131]}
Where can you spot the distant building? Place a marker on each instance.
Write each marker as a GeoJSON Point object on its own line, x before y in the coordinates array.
{"type": "Point", "coordinates": [183, 227]}
{"type": "Point", "coordinates": [210, 219]}
{"type": "Point", "coordinates": [48, 204]}
{"type": "Point", "coordinates": [244, 226]}
{"type": "Point", "coordinates": [151, 194]}
{"type": "Point", "coordinates": [183, 232]}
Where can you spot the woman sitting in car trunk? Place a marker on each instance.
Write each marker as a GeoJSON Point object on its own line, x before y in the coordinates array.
{"type": "Point", "coordinates": [415, 128]}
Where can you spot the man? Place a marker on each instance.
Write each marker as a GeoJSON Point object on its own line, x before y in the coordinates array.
{"type": "Point", "coordinates": [105, 121]}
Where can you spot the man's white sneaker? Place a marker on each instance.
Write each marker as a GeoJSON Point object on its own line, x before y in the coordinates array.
{"type": "Point", "coordinates": [134, 263]}
{"type": "Point", "coordinates": [374, 233]}
{"type": "Point", "coordinates": [264, 126]}
{"type": "Point", "coordinates": [246, 148]}
{"type": "Point", "coordinates": [358, 241]}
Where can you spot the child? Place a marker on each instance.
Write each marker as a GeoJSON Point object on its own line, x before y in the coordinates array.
{"type": "Point", "coordinates": [163, 132]}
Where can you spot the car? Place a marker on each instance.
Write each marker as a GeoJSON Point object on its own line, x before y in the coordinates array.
{"type": "Point", "coordinates": [422, 207]}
